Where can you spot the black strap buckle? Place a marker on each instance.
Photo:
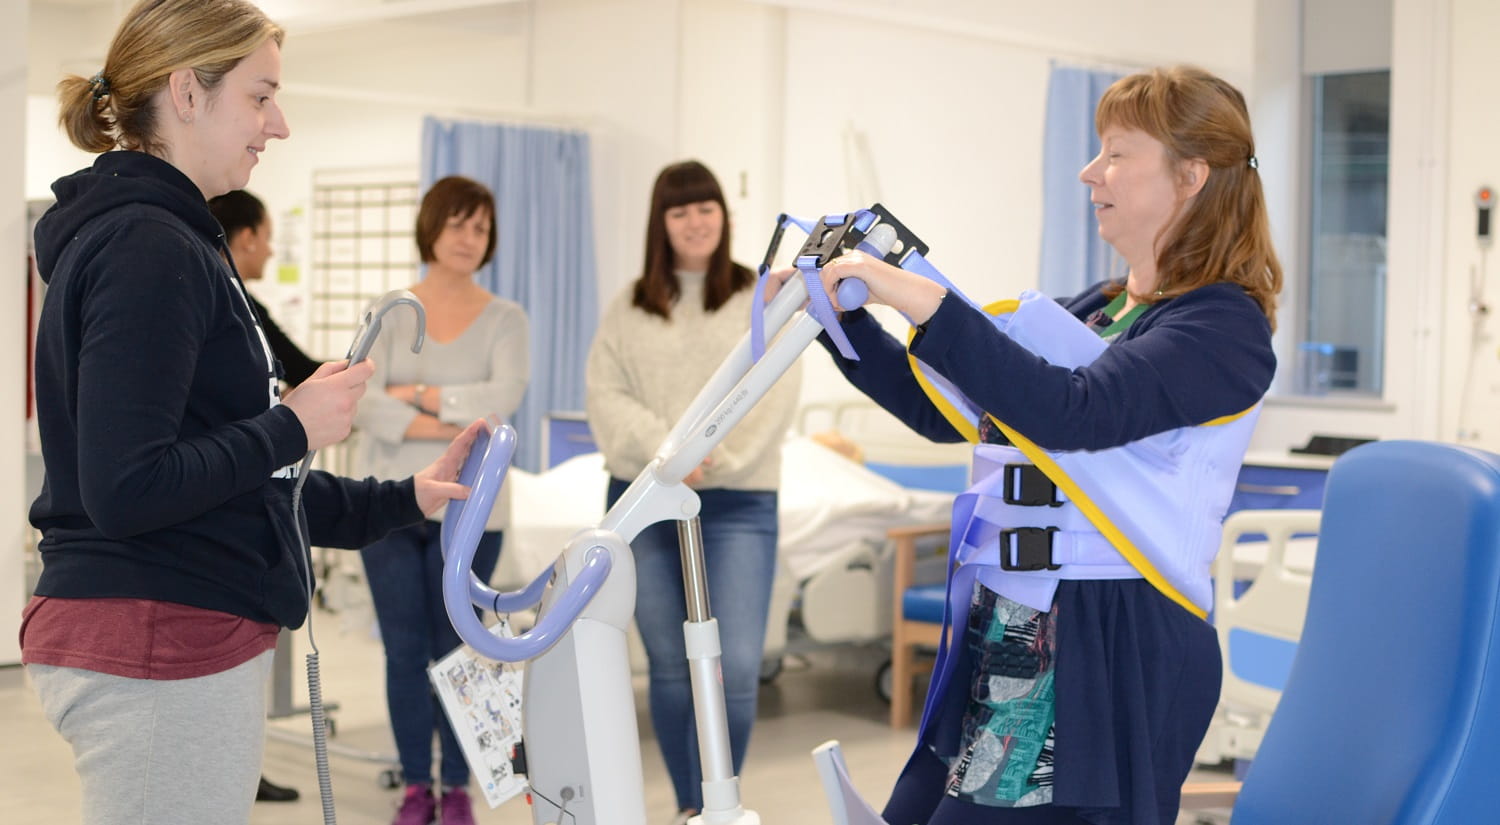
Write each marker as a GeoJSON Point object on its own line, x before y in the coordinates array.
{"type": "Point", "coordinates": [1031, 549]}
{"type": "Point", "coordinates": [1028, 486]}
{"type": "Point", "coordinates": [828, 241]}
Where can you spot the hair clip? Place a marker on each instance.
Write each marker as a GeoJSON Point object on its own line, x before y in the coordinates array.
{"type": "Point", "coordinates": [99, 84]}
{"type": "Point", "coordinates": [1254, 164]}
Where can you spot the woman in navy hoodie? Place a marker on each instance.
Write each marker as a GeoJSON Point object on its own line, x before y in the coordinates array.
{"type": "Point", "coordinates": [171, 553]}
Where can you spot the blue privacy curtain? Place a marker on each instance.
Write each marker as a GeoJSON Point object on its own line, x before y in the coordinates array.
{"type": "Point", "coordinates": [544, 252]}
{"type": "Point", "coordinates": [1073, 256]}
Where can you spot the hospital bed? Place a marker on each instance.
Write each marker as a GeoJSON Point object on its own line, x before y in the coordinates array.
{"type": "Point", "coordinates": [834, 560]}
{"type": "Point", "coordinates": [1260, 604]}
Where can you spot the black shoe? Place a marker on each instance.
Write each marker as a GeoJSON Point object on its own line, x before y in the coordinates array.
{"type": "Point", "coordinates": [268, 792]}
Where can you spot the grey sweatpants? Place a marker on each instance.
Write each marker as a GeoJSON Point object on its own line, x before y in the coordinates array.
{"type": "Point", "coordinates": [161, 752]}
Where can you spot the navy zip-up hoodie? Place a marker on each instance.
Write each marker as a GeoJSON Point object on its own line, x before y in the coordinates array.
{"type": "Point", "coordinates": [155, 402]}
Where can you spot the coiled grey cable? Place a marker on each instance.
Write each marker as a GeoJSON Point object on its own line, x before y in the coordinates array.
{"type": "Point", "coordinates": [314, 676]}
{"type": "Point", "coordinates": [364, 339]}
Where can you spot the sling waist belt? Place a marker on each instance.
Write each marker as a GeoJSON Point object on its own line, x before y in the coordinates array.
{"type": "Point", "coordinates": [1023, 534]}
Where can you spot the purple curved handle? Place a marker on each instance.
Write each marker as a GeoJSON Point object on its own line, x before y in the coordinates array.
{"type": "Point", "coordinates": [483, 472]}
{"type": "Point", "coordinates": [463, 523]}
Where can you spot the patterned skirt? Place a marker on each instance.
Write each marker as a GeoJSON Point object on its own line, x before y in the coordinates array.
{"type": "Point", "coordinates": [1089, 714]}
{"type": "Point", "coordinates": [1006, 751]}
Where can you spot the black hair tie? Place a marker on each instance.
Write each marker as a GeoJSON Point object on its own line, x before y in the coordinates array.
{"type": "Point", "coordinates": [99, 84]}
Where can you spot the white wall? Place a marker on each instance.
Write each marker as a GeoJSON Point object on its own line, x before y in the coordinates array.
{"type": "Point", "coordinates": [1129, 31]}
{"type": "Point", "coordinates": [617, 64]}
{"type": "Point", "coordinates": [1275, 114]}
{"type": "Point", "coordinates": [60, 40]}
{"type": "Point", "coordinates": [951, 106]}
{"type": "Point", "coordinates": [732, 114]}
{"type": "Point", "coordinates": [65, 39]}
{"type": "Point", "coordinates": [49, 155]}
{"type": "Point", "coordinates": [953, 114]}
{"type": "Point", "coordinates": [1472, 137]}
{"type": "Point", "coordinates": [1345, 36]}
{"type": "Point", "coordinates": [13, 328]}
{"type": "Point", "coordinates": [357, 103]}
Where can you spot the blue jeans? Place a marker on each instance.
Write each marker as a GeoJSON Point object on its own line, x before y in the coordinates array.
{"type": "Point", "coordinates": [739, 547]}
{"type": "Point", "coordinates": [405, 574]}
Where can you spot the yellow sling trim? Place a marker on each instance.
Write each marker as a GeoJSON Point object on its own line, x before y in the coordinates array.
{"type": "Point", "coordinates": [1225, 419]}
{"type": "Point", "coordinates": [966, 428]}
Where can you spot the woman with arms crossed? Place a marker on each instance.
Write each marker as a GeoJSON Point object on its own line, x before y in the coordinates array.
{"type": "Point", "coordinates": [475, 364]}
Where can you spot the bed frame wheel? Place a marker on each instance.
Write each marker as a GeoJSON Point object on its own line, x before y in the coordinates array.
{"type": "Point", "coordinates": [770, 668]}
{"type": "Point", "coordinates": [883, 682]}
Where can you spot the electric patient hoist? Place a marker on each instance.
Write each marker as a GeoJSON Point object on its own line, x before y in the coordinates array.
{"type": "Point", "coordinates": [582, 751]}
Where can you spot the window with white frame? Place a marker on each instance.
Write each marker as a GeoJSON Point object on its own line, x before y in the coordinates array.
{"type": "Point", "coordinates": [1342, 343]}
{"type": "Point", "coordinates": [1346, 58]}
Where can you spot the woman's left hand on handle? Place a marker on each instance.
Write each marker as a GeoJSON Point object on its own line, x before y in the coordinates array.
{"type": "Point", "coordinates": [437, 483]}
{"type": "Point", "coordinates": [776, 279]}
{"type": "Point", "coordinates": [915, 296]}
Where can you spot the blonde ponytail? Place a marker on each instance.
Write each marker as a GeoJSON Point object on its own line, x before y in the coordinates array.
{"type": "Point", "coordinates": [117, 107]}
{"type": "Point", "coordinates": [82, 114]}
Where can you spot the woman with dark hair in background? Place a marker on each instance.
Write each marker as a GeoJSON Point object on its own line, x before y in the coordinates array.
{"type": "Point", "coordinates": [247, 230]}
{"type": "Point", "coordinates": [657, 345]}
{"type": "Point", "coordinates": [476, 363]}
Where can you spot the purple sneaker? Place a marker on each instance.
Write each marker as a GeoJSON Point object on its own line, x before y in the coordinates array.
{"type": "Point", "coordinates": [417, 807]}
{"type": "Point", "coordinates": [457, 809]}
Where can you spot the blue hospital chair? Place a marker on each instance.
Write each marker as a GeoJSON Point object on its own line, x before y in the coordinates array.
{"type": "Point", "coordinates": [1391, 712]}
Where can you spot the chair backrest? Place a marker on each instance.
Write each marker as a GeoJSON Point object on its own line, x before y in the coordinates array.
{"type": "Point", "coordinates": [1390, 713]}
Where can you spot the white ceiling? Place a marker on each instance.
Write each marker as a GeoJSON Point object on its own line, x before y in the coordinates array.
{"type": "Point", "coordinates": [315, 15]}
{"type": "Point", "coordinates": [331, 41]}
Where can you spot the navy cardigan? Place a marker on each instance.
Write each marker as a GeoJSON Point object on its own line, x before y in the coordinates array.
{"type": "Point", "coordinates": [1183, 362]}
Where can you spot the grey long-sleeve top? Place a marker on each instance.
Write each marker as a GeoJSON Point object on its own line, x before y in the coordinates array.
{"type": "Point", "coordinates": [483, 372]}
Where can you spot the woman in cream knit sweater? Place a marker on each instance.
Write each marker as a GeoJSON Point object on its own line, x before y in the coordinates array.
{"type": "Point", "coordinates": [658, 344]}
